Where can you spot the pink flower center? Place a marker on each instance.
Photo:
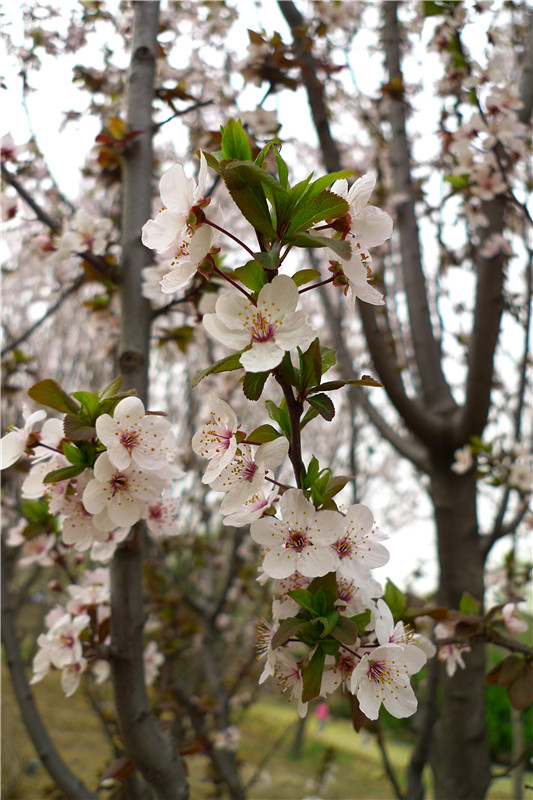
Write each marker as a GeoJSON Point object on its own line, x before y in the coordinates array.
{"type": "Point", "coordinates": [119, 483]}
{"type": "Point", "coordinates": [344, 547]}
{"type": "Point", "coordinates": [262, 330]}
{"type": "Point", "coordinates": [156, 512]}
{"type": "Point", "coordinates": [129, 440]}
{"type": "Point", "coordinates": [377, 671]}
{"type": "Point", "coordinates": [297, 540]}
{"type": "Point", "coordinates": [248, 471]}
{"type": "Point", "coordinates": [67, 640]}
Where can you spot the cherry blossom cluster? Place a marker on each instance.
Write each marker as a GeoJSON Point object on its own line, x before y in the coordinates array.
{"type": "Point", "coordinates": [77, 640]}
{"type": "Point", "coordinates": [330, 626]}
{"type": "Point", "coordinates": [302, 544]}
{"type": "Point", "coordinates": [496, 465]}
{"type": "Point", "coordinates": [125, 483]}
{"type": "Point", "coordinates": [99, 484]}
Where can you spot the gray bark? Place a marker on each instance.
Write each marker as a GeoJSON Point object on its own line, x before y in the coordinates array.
{"type": "Point", "coordinates": [154, 754]}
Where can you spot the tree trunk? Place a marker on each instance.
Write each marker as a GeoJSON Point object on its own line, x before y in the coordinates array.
{"type": "Point", "coordinates": [459, 754]}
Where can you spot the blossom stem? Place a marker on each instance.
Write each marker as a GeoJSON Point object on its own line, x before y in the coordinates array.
{"type": "Point", "coordinates": [231, 236]}
{"type": "Point", "coordinates": [277, 483]}
{"type": "Point", "coordinates": [295, 409]}
{"type": "Point", "coordinates": [316, 285]}
{"type": "Point", "coordinates": [233, 283]}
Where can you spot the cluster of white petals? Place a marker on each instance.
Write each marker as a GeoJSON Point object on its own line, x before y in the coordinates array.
{"type": "Point", "coordinates": [369, 227]}
{"type": "Point", "coordinates": [267, 328]}
{"type": "Point", "coordinates": [234, 468]}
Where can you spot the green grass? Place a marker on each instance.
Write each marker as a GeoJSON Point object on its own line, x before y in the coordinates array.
{"type": "Point", "coordinates": [354, 768]}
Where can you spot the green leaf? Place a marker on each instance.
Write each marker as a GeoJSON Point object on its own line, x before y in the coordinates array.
{"type": "Point", "coordinates": [283, 171]}
{"type": "Point", "coordinates": [306, 276]}
{"type": "Point", "coordinates": [323, 404]}
{"type": "Point", "coordinates": [273, 143]}
{"type": "Point", "coordinates": [328, 584]}
{"type": "Point", "coordinates": [72, 454]}
{"type": "Point", "coordinates": [304, 599]}
{"type": "Point", "coordinates": [288, 627]}
{"type": "Point", "coordinates": [252, 275]}
{"type": "Point", "coordinates": [321, 603]}
{"type": "Point", "coordinates": [362, 620]}
{"type": "Point", "coordinates": [279, 415]}
{"type": "Point", "coordinates": [340, 247]}
{"type": "Point", "coordinates": [324, 205]}
{"type": "Point", "coordinates": [63, 474]}
{"type": "Point", "coordinates": [310, 365]}
{"type": "Point", "coordinates": [520, 691]}
{"type": "Point", "coordinates": [248, 194]}
{"type": "Point", "coordinates": [111, 389]}
{"type": "Point", "coordinates": [469, 605]}
{"type": "Point", "coordinates": [329, 358]}
{"type": "Point", "coordinates": [89, 402]}
{"type": "Point", "coordinates": [227, 364]}
{"type": "Point", "coordinates": [269, 259]}
{"type": "Point", "coordinates": [309, 415]}
{"type": "Point", "coordinates": [262, 434]}
{"type": "Point", "coordinates": [312, 472]}
{"type": "Point", "coordinates": [326, 180]}
{"type": "Point", "coordinates": [35, 510]}
{"type": "Point", "coordinates": [395, 599]}
{"type": "Point", "coordinates": [108, 405]}
{"type": "Point", "coordinates": [330, 623]}
{"type": "Point", "coordinates": [312, 676]}
{"type": "Point", "coordinates": [288, 372]}
{"type": "Point", "coordinates": [336, 484]}
{"type": "Point", "coordinates": [49, 393]}
{"type": "Point", "coordinates": [253, 384]}
{"type": "Point", "coordinates": [457, 181]}
{"type": "Point", "coordinates": [345, 631]}
{"type": "Point", "coordinates": [235, 142]}
{"type": "Point", "coordinates": [77, 429]}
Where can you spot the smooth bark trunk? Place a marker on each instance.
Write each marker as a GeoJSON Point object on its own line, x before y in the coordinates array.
{"type": "Point", "coordinates": [459, 754]}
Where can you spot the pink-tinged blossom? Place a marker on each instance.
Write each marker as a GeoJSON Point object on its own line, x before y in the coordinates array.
{"type": "Point", "coordinates": [269, 329]}
{"type": "Point", "coordinates": [216, 440]}
{"type": "Point", "coordinates": [370, 226]}
{"type": "Point", "coordinates": [201, 245]}
{"type": "Point", "coordinates": [358, 272]}
{"type": "Point", "coordinates": [382, 676]}
{"type": "Point", "coordinates": [87, 233]}
{"type": "Point", "coordinates": [104, 551]}
{"type": "Point", "coordinates": [290, 678]}
{"type": "Point", "coordinates": [253, 507]}
{"type": "Point", "coordinates": [340, 672]}
{"type": "Point", "coordinates": [160, 517]}
{"type": "Point", "coordinates": [152, 662]}
{"type": "Point", "coordinates": [511, 620]}
{"type": "Point", "coordinates": [300, 542]}
{"type": "Point", "coordinates": [521, 474]}
{"type": "Point", "coordinates": [261, 122]}
{"type": "Point", "coordinates": [13, 445]}
{"type": "Point", "coordinates": [450, 654]}
{"type": "Point", "coordinates": [357, 548]}
{"type": "Point", "coordinates": [464, 460]}
{"type": "Point", "coordinates": [245, 474]}
{"type": "Point", "coordinates": [61, 648]}
{"type": "Point", "coordinates": [38, 550]}
{"type": "Point", "coordinates": [120, 494]}
{"type": "Point", "coordinates": [179, 194]}
{"type": "Point", "coordinates": [389, 633]}
{"type": "Point", "coordinates": [133, 437]}
{"type": "Point", "coordinates": [495, 245]}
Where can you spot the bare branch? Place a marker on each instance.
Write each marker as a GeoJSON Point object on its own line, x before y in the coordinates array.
{"type": "Point", "coordinates": [314, 87]}
{"type": "Point", "coordinates": [47, 314]}
{"type": "Point", "coordinates": [426, 348]}
{"type": "Point", "coordinates": [408, 449]}
{"type": "Point", "coordinates": [100, 265]}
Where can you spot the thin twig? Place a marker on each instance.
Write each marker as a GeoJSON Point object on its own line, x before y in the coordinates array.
{"type": "Point", "coordinates": [48, 313]}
